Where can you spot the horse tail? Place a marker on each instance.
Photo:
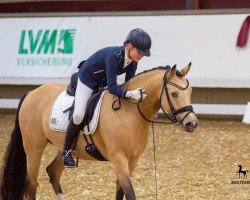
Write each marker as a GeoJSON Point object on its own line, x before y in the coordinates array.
{"type": "Point", "coordinates": [14, 184]}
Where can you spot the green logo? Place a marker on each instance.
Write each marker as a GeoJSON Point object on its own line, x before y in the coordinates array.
{"type": "Point", "coordinates": [47, 41]}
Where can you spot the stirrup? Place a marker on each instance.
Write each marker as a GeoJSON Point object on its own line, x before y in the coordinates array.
{"type": "Point", "coordinates": [76, 162]}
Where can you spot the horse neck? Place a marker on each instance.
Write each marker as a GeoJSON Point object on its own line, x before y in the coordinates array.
{"type": "Point", "coordinates": [152, 83]}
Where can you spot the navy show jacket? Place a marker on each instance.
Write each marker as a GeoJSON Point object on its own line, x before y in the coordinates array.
{"type": "Point", "coordinates": [104, 66]}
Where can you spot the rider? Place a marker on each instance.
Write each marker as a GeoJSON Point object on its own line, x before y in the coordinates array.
{"type": "Point", "coordinates": [106, 64]}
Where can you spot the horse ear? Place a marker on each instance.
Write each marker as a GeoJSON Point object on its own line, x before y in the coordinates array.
{"type": "Point", "coordinates": [172, 72]}
{"type": "Point", "coordinates": [186, 69]}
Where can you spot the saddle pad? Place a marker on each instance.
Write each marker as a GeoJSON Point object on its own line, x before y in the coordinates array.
{"type": "Point", "coordinates": [59, 120]}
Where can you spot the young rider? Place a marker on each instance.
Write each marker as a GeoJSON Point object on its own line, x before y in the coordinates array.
{"type": "Point", "coordinates": [106, 64]}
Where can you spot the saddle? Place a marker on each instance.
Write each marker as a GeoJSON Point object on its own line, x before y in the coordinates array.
{"type": "Point", "coordinates": [91, 105]}
{"type": "Point", "coordinates": [92, 102]}
{"type": "Point", "coordinates": [90, 148]}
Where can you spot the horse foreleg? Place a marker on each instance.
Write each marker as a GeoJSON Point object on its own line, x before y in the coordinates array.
{"type": "Point", "coordinates": [238, 173]}
{"type": "Point", "coordinates": [125, 188]}
{"type": "Point", "coordinates": [54, 170]}
{"type": "Point", "coordinates": [132, 165]}
{"type": "Point", "coordinates": [119, 192]}
{"type": "Point", "coordinates": [121, 168]}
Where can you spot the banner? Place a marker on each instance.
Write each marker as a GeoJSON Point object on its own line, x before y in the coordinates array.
{"type": "Point", "coordinates": [34, 49]}
{"type": "Point", "coordinates": [49, 49]}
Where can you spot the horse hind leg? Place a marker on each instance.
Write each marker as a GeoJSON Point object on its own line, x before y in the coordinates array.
{"type": "Point", "coordinates": [245, 175]}
{"type": "Point", "coordinates": [34, 155]}
{"type": "Point", "coordinates": [54, 170]}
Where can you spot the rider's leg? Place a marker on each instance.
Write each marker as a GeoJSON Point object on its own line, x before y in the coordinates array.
{"type": "Point", "coordinates": [82, 95]}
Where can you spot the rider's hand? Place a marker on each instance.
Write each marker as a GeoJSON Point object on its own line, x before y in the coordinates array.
{"type": "Point", "coordinates": [136, 94]}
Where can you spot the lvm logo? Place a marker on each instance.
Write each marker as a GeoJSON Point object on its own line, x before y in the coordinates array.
{"type": "Point", "coordinates": [46, 47]}
{"type": "Point", "coordinates": [47, 41]}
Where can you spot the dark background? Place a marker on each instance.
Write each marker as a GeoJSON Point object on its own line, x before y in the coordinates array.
{"type": "Point", "coordinates": [31, 6]}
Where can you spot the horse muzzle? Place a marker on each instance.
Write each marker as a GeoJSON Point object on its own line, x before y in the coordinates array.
{"type": "Point", "coordinates": [190, 123]}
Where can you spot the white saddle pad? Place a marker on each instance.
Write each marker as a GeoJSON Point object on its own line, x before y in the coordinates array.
{"type": "Point", "coordinates": [59, 120]}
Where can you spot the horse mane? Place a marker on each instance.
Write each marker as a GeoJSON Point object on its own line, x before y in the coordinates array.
{"type": "Point", "coordinates": [178, 73]}
{"type": "Point", "coordinates": [155, 68]}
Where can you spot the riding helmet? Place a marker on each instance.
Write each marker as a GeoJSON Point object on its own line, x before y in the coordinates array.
{"type": "Point", "coordinates": [141, 40]}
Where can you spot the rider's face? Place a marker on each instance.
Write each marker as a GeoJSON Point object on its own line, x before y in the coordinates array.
{"type": "Point", "coordinates": [133, 53]}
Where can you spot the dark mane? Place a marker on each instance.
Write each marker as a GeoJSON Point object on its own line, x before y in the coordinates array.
{"type": "Point", "coordinates": [178, 73]}
{"type": "Point", "coordinates": [155, 68]}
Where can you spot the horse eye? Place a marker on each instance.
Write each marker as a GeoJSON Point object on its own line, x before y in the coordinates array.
{"type": "Point", "coordinates": [174, 94]}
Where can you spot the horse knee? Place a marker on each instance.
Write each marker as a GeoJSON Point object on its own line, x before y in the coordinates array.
{"type": "Point", "coordinates": [77, 118]}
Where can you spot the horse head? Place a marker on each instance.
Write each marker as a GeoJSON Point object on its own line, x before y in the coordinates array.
{"type": "Point", "coordinates": [175, 98]}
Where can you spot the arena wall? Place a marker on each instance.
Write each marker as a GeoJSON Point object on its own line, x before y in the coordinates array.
{"type": "Point", "coordinates": [219, 74]}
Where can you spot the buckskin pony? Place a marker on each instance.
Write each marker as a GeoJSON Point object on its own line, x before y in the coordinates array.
{"type": "Point", "coordinates": [121, 135]}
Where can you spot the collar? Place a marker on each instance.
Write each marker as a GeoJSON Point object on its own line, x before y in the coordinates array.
{"type": "Point", "coordinates": [127, 60]}
{"type": "Point", "coordinates": [121, 53]}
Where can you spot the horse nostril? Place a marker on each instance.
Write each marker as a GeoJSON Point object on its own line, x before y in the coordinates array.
{"type": "Point", "coordinates": [189, 124]}
{"type": "Point", "coordinates": [189, 127]}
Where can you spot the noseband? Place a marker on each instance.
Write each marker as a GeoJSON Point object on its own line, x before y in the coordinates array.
{"type": "Point", "coordinates": [173, 116]}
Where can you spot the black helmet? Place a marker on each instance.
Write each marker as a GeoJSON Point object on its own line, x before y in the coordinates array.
{"type": "Point", "coordinates": [140, 40]}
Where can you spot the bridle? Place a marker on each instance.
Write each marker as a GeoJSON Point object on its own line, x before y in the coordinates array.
{"type": "Point", "coordinates": [173, 116]}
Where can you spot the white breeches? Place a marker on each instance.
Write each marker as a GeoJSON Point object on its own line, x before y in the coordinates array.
{"type": "Point", "coordinates": [82, 96]}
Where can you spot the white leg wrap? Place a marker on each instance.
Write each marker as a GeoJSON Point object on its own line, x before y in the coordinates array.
{"type": "Point", "coordinates": [59, 196]}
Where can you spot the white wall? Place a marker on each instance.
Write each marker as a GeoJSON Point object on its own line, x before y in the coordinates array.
{"type": "Point", "coordinates": [209, 41]}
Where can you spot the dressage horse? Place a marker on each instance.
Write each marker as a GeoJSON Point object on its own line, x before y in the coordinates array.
{"type": "Point", "coordinates": [121, 135]}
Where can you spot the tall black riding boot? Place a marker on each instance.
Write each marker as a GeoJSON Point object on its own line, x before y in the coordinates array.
{"type": "Point", "coordinates": [71, 132]}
